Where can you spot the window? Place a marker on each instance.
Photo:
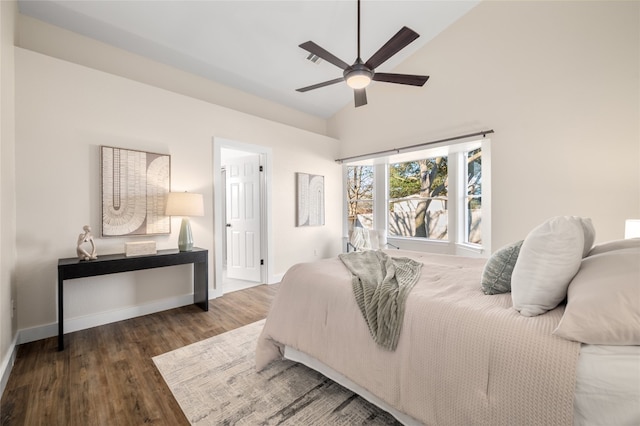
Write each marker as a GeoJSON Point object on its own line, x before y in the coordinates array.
{"type": "Point", "coordinates": [360, 196]}
{"type": "Point", "coordinates": [430, 200]}
{"type": "Point", "coordinates": [418, 198]}
{"type": "Point", "coordinates": [473, 203]}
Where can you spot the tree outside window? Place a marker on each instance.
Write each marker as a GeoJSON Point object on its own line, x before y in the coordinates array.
{"type": "Point", "coordinates": [360, 196]}
{"type": "Point", "coordinates": [423, 210]}
{"type": "Point", "coordinates": [418, 193]}
{"type": "Point", "coordinates": [473, 213]}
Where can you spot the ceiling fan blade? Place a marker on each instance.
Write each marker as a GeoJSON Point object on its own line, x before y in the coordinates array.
{"type": "Point", "coordinates": [311, 47]}
{"type": "Point", "coordinates": [360, 96]}
{"type": "Point", "coordinates": [395, 44]}
{"type": "Point", "coordinates": [412, 80]}
{"type": "Point", "coordinates": [317, 86]}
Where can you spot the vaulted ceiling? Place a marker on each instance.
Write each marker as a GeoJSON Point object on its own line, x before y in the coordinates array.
{"type": "Point", "coordinates": [253, 45]}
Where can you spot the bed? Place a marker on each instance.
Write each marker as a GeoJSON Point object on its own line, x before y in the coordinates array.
{"type": "Point", "coordinates": [466, 357]}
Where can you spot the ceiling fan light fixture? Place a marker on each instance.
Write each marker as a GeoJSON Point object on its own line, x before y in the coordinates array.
{"type": "Point", "coordinates": [358, 79]}
{"type": "Point", "coordinates": [358, 76]}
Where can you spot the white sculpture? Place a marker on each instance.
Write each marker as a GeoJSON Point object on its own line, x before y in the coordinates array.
{"type": "Point", "coordinates": [86, 237]}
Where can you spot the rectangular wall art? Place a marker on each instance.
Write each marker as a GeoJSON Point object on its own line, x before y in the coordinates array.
{"type": "Point", "coordinates": [135, 186]}
{"type": "Point", "coordinates": [310, 191]}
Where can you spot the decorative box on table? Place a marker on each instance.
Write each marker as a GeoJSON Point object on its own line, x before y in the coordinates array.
{"type": "Point", "coordinates": [140, 248]}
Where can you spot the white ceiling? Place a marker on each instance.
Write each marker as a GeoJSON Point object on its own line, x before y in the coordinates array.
{"type": "Point", "coordinates": [253, 45]}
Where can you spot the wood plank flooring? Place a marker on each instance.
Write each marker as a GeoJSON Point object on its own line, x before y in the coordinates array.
{"type": "Point", "coordinates": [105, 375]}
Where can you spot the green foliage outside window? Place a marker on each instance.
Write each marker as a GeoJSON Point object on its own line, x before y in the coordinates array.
{"type": "Point", "coordinates": [418, 197]}
{"type": "Point", "coordinates": [413, 186]}
{"type": "Point", "coordinates": [406, 179]}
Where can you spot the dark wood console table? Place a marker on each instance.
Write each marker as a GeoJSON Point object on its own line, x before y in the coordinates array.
{"type": "Point", "coordinates": [71, 268]}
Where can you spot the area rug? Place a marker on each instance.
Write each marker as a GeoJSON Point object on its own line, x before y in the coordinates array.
{"type": "Point", "coordinates": [215, 383]}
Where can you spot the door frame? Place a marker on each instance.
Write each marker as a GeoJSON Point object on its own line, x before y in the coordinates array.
{"type": "Point", "coordinates": [266, 245]}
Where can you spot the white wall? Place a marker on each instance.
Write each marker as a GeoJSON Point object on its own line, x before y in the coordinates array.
{"type": "Point", "coordinates": [557, 81]}
{"type": "Point", "coordinates": [8, 16]}
{"type": "Point", "coordinates": [39, 36]}
{"type": "Point", "coordinates": [64, 112]}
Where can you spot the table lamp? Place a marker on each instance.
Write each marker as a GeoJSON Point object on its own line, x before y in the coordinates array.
{"type": "Point", "coordinates": [185, 204]}
{"type": "Point", "coordinates": [632, 228]}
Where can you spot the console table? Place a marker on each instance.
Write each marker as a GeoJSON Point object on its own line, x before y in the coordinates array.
{"type": "Point", "coordinates": [71, 268]}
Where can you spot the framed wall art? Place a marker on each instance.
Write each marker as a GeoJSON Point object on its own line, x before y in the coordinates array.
{"type": "Point", "coordinates": [310, 198]}
{"type": "Point", "coordinates": [135, 186]}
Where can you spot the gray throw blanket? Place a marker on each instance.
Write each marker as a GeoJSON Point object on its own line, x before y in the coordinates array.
{"type": "Point", "coordinates": [381, 285]}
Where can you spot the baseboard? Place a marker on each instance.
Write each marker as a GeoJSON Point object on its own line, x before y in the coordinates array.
{"type": "Point", "coordinates": [275, 279]}
{"type": "Point", "coordinates": [88, 321]}
{"type": "Point", "coordinates": [7, 365]}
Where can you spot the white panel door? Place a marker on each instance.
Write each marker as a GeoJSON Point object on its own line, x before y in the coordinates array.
{"type": "Point", "coordinates": [243, 218]}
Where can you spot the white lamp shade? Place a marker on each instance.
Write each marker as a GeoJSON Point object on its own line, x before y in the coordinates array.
{"type": "Point", "coordinates": [184, 204]}
{"type": "Point", "coordinates": [632, 228]}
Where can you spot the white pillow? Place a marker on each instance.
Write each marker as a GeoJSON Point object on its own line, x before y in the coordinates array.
{"type": "Point", "coordinates": [630, 243]}
{"type": "Point", "coordinates": [549, 258]}
{"type": "Point", "coordinates": [603, 300]}
{"type": "Point", "coordinates": [589, 235]}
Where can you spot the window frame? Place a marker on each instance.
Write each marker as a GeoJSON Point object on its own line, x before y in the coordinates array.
{"type": "Point", "coordinates": [463, 212]}
{"type": "Point", "coordinates": [372, 200]}
{"type": "Point", "coordinates": [418, 159]}
{"type": "Point", "coordinates": [457, 193]}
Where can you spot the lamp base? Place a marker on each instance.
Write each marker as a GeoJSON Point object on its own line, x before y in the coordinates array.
{"type": "Point", "coordinates": [185, 239]}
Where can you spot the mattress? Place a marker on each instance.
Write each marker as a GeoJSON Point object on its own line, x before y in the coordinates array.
{"type": "Point", "coordinates": [607, 386]}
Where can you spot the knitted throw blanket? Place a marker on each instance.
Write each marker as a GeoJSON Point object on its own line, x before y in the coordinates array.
{"type": "Point", "coordinates": [381, 285]}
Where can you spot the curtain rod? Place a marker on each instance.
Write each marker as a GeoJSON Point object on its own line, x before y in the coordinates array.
{"type": "Point", "coordinates": [398, 150]}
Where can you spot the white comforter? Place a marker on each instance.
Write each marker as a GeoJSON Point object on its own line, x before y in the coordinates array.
{"type": "Point", "coordinates": [463, 358]}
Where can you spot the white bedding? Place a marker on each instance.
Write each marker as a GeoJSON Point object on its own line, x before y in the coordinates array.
{"type": "Point", "coordinates": [608, 386]}
{"type": "Point", "coordinates": [462, 358]}
{"type": "Point", "coordinates": [315, 304]}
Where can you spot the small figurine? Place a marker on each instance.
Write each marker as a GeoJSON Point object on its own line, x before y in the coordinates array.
{"type": "Point", "coordinates": [86, 237]}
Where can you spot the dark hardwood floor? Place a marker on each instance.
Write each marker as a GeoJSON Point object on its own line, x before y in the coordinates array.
{"type": "Point", "coordinates": [105, 375]}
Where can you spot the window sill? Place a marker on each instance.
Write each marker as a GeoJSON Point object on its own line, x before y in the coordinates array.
{"type": "Point", "coordinates": [466, 249]}
{"type": "Point", "coordinates": [422, 244]}
{"type": "Point", "coordinates": [437, 246]}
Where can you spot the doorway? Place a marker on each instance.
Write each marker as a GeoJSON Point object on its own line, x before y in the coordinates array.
{"type": "Point", "coordinates": [242, 223]}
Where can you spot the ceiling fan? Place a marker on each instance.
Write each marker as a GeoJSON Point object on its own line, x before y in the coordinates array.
{"type": "Point", "coordinates": [359, 75]}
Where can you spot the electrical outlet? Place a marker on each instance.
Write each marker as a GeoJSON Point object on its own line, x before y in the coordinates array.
{"type": "Point", "coordinates": [315, 252]}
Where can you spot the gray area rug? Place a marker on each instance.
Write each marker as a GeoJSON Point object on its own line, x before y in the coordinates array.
{"type": "Point", "coordinates": [215, 383]}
